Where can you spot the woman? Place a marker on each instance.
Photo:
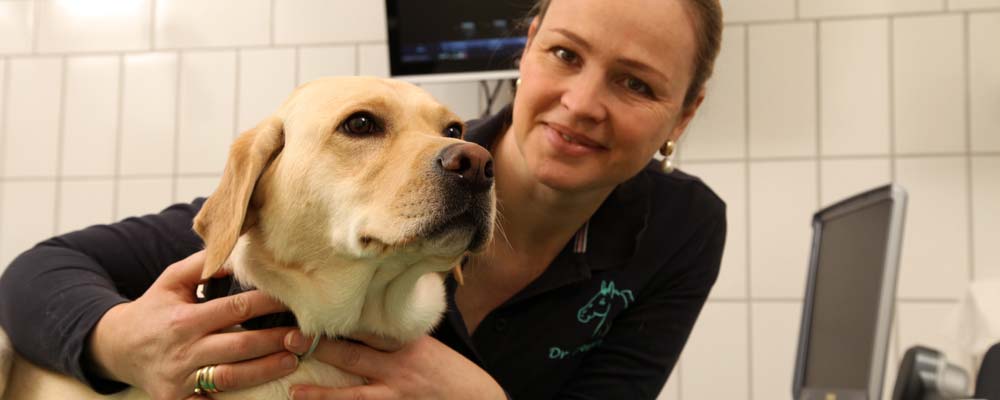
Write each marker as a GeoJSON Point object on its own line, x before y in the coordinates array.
{"type": "Point", "coordinates": [590, 292]}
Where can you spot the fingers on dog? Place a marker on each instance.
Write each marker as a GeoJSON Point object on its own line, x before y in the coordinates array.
{"type": "Point", "coordinates": [240, 375]}
{"type": "Point", "coordinates": [230, 310]}
{"type": "Point", "coordinates": [239, 346]}
{"type": "Point", "coordinates": [184, 274]}
{"type": "Point", "coordinates": [353, 357]}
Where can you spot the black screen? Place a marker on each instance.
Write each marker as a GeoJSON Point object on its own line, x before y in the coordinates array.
{"type": "Point", "coordinates": [848, 284]}
{"type": "Point", "coordinates": [446, 36]}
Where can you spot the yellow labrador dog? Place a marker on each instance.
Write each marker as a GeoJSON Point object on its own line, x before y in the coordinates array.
{"type": "Point", "coordinates": [349, 205]}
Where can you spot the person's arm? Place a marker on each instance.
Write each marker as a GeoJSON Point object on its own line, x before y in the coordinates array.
{"type": "Point", "coordinates": [114, 305]}
{"type": "Point", "coordinates": [638, 354]}
{"type": "Point", "coordinates": [53, 295]}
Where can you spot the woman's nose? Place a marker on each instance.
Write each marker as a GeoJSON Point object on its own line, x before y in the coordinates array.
{"type": "Point", "coordinates": [584, 97]}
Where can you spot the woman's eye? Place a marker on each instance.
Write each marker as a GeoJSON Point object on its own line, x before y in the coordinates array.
{"type": "Point", "coordinates": [360, 124]}
{"type": "Point", "coordinates": [638, 86]}
{"type": "Point", "coordinates": [565, 55]}
{"type": "Point", "coordinates": [453, 131]}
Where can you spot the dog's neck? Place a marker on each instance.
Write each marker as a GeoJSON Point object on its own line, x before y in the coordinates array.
{"type": "Point", "coordinates": [396, 298]}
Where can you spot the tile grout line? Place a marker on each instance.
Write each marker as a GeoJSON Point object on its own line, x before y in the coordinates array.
{"type": "Point", "coordinates": [271, 24]}
{"type": "Point", "coordinates": [838, 157]}
{"type": "Point", "coordinates": [152, 25]}
{"type": "Point", "coordinates": [177, 125]}
{"type": "Point", "coordinates": [970, 203]}
{"type": "Point", "coordinates": [891, 66]}
{"type": "Point", "coordinates": [36, 20]}
{"type": "Point", "coordinates": [60, 145]}
{"type": "Point", "coordinates": [197, 49]}
{"type": "Point", "coordinates": [747, 210]}
{"type": "Point", "coordinates": [857, 17]}
{"type": "Point", "coordinates": [119, 134]}
{"type": "Point", "coordinates": [4, 103]}
{"type": "Point", "coordinates": [819, 112]}
{"type": "Point", "coordinates": [237, 78]}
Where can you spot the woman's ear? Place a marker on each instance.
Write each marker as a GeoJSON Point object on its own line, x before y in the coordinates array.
{"type": "Point", "coordinates": [686, 116]}
{"type": "Point", "coordinates": [223, 217]}
{"type": "Point", "coordinates": [532, 30]}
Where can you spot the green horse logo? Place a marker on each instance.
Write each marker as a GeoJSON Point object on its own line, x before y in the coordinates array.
{"type": "Point", "coordinates": [600, 305]}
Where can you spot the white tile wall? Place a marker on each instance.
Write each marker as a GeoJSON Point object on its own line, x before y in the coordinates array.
{"type": "Point", "coordinates": [842, 178]}
{"type": "Point", "coordinates": [95, 25]}
{"type": "Point", "coordinates": [317, 62]}
{"type": "Point", "coordinates": [812, 100]}
{"type": "Point", "coordinates": [921, 324]}
{"type": "Point", "coordinates": [267, 76]}
{"type": "Point", "coordinates": [729, 181]}
{"type": "Point", "coordinates": [149, 104]}
{"type": "Point", "coordinates": [837, 8]}
{"type": "Point", "coordinates": [373, 60]}
{"type": "Point", "coordinates": [854, 87]}
{"type": "Point", "coordinates": [32, 125]}
{"type": "Point", "coordinates": [207, 110]}
{"type": "Point", "coordinates": [928, 58]}
{"type": "Point", "coordinates": [462, 98]}
{"type": "Point", "coordinates": [718, 130]}
{"type": "Point", "coordinates": [984, 81]}
{"type": "Point", "coordinates": [774, 340]}
{"type": "Point", "coordinates": [782, 90]}
{"type": "Point", "coordinates": [141, 196]}
{"type": "Point", "coordinates": [986, 224]}
{"type": "Point", "coordinates": [28, 216]}
{"type": "Point", "coordinates": [16, 22]}
{"type": "Point", "coordinates": [935, 259]}
{"type": "Point", "coordinates": [328, 21]}
{"type": "Point", "coordinates": [190, 188]}
{"type": "Point", "coordinates": [199, 23]}
{"type": "Point", "coordinates": [90, 129]}
{"type": "Point", "coordinates": [717, 352]}
{"type": "Point", "coordinates": [735, 11]}
{"type": "Point", "coordinates": [83, 203]}
{"type": "Point", "coordinates": [973, 4]}
{"type": "Point", "coordinates": [782, 201]}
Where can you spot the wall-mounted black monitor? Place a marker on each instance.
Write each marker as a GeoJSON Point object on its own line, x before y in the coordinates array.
{"type": "Point", "coordinates": [449, 40]}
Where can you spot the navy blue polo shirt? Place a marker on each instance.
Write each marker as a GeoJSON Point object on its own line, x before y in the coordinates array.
{"type": "Point", "coordinates": [606, 320]}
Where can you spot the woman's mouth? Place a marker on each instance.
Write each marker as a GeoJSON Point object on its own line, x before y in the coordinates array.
{"type": "Point", "coordinates": [571, 144]}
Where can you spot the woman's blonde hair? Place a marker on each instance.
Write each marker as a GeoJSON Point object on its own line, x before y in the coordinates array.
{"type": "Point", "coordinates": [708, 36]}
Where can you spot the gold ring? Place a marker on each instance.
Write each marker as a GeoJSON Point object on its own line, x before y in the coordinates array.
{"type": "Point", "coordinates": [205, 380]}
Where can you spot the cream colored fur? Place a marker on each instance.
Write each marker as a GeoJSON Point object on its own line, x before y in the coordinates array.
{"type": "Point", "coordinates": [331, 224]}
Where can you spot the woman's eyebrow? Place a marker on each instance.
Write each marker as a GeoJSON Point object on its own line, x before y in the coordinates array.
{"type": "Point", "coordinates": [573, 37]}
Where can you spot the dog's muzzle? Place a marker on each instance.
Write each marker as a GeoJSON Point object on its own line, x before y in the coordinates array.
{"type": "Point", "coordinates": [467, 167]}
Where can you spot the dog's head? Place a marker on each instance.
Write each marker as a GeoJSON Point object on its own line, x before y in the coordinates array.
{"type": "Point", "coordinates": [353, 169]}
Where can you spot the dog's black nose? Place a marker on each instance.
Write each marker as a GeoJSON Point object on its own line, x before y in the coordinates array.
{"type": "Point", "coordinates": [469, 163]}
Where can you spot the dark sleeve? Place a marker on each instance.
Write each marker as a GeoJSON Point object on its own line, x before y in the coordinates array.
{"type": "Point", "coordinates": [638, 354]}
{"type": "Point", "coordinates": [52, 295]}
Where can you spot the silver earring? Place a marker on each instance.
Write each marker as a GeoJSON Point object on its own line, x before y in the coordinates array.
{"type": "Point", "coordinates": [517, 83]}
{"type": "Point", "coordinates": [668, 157]}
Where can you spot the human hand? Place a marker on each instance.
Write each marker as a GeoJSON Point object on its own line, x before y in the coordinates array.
{"type": "Point", "coordinates": [422, 369]}
{"type": "Point", "coordinates": [158, 341]}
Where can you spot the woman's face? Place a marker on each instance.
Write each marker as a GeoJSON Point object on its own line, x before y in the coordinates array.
{"type": "Point", "coordinates": [602, 88]}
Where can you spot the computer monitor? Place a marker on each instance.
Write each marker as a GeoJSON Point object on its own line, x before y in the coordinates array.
{"type": "Point", "coordinates": [850, 292]}
{"type": "Point", "coordinates": [455, 40]}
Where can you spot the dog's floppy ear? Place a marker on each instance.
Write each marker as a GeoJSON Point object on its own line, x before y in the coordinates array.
{"type": "Point", "coordinates": [223, 217]}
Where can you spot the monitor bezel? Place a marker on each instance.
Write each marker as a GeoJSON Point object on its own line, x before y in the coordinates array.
{"type": "Point", "coordinates": [897, 195]}
{"type": "Point", "coordinates": [409, 73]}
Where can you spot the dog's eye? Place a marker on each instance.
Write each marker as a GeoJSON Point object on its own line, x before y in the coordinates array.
{"type": "Point", "coordinates": [360, 124]}
{"type": "Point", "coordinates": [453, 131]}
